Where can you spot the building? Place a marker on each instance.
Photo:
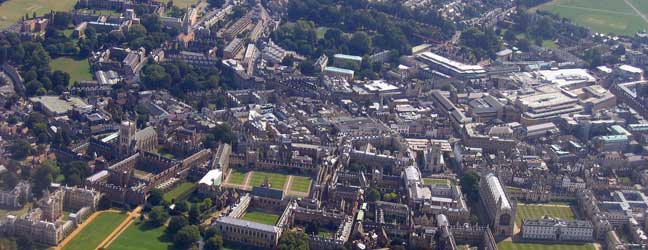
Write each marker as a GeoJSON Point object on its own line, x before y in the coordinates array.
{"type": "Point", "coordinates": [451, 67]}
{"type": "Point", "coordinates": [557, 230]}
{"type": "Point", "coordinates": [500, 210]}
{"type": "Point", "coordinates": [347, 61]}
{"type": "Point", "coordinates": [16, 197]}
{"type": "Point", "coordinates": [210, 181]}
{"type": "Point", "coordinates": [339, 72]}
{"type": "Point", "coordinates": [233, 48]}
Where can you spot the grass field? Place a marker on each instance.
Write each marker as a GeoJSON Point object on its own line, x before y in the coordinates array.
{"type": "Point", "coordinates": [184, 3]}
{"type": "Point", "coordinates": [140, 236]}
{"type": "Point", "coordinates": [78, 69]}
{"type": "Point", "coordinates": [533, 211]}
{"type": "Point", "coordinates": [606, 16]}
{"type": "Point", "coordinates": [261, 217]}
{"type": "Point", "coordinates": [277, 180]}
{"type": "Point", "coordinates": [508, 245]}
{"type": "Point", "coordinates": [430, 181]}
{"type": "Point", "coordinates": [12, 10]}
{"type": "Point", "coordinates": [179, 191]}
{"type": "Point", "coordinates": [95, 232]}
{"type": "Point", "coordinates": [300, 184]}
{"type": "Point", "coordinates": [236, 177]}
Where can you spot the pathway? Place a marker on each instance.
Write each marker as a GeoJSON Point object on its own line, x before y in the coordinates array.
{"type": "Point", "coordinates": [636, 10]}
{"type": "Point", "coordinates": [286, 187]}
{"type": "Point", "coordinates": [81, 227]}
{"type": "Point", "coordinates": [122, 226]}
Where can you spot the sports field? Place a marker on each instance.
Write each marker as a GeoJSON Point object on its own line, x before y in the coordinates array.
{"type": "Point", "coordinates": [537, 211]}
{"type": "Point", "coordinates": [606, 16]}
{"type": "Point", "coordinates": [261, 217]}
{"type": "Point", "coordinates": [140, 236]}
{"type": "Point", "coordinates": [78, 69]}
{"type": "Point", "coordinates": [12, 10]}
{"type": "Point", "coordinates": [180, 191]}
{"type": "Point", "coordinates": [184, 3]}
{"type": "Point", "coordinates": [300, 184]}
{"type": "Point", "coordinates": [95, 232]}
{"type": "Point", "coordinates": [508, 245]}
{"type": "Point", "coordinates": [277, 180]}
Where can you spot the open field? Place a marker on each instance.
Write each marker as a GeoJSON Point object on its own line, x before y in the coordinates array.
{"type": "Point", "coordinates": [140, 236]}
{"type": "Point", "coordinates": [184, 3]}
{"type": "Point", "coordinates": [277, 180]}
{"type": "Point", "coordinates": [95, 232]}
{"type": "Point", "coordinates": [537, 211]}
{"type": "Point", "coordinates": [300, 184]}
{"type": "Point", "coordinates": [78, 69]}
{"type": "Point", "coordinates": [12, 10]}
{"type": "Point", "coordinates": [509, 245]}
{"type": "Point", "coordinates": [179, 191]}
{"type": "Point", "coordinates": [261, 217]}
{"type": "Point", "coordinates": [606, 16]}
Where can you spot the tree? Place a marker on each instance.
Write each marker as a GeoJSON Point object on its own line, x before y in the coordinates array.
{"type": "Point", "coordinates": [373, 194]}
{"type": "Point", "coordinates": [186, 237]}
{"type": "Point", "coordinates": [20, 149]}
{"type": "Point", "coordinates": [158, 216]}
{"type": "Point", "coordinates": [470, 185]}
{"type": "Point", "coordinates": [155, 197]}
{"type": "Point", "coordinates": [307, 67]}
{"type": "Point", "coordinates": [181, 206]}
{"type": "Point", "coordinates": [360, 43]}
{"type": "Point", "coordinates": [175, 224]}
{"type": "Point", "coordinates": [312, 228]}
{"type": "Point", "coordinates": [391, 197]}
{"type": "Point", "coordinates": [194, 214]}
{"type": "Point", "coordinates": [104, 203]}
{"type": "Point", "coordinates": [288, 61]}
{"type": "Point", "coordinates": [10, 180]}
{"type": "Point", "coordinates": [43, 177]}
{"type": "Point", "coordinates": [293, 241]}
{"type": "Point", "coordinates": [214, 243]}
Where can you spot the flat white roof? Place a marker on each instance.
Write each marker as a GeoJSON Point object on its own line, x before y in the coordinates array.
{"type": "Point", "coordinates": [451, 64]}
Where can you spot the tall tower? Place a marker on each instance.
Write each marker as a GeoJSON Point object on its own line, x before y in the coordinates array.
{"type": "Point", "coordinates": [127, 131]}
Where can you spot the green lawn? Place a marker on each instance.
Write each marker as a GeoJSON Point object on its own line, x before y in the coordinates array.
{"type": "Point", "coordinates": [141, 236]}
{"type": "Point", "coordinates": [179, 192]}
{"type": "Point", "coordinates": [261, 217]}
{"type": "Point", "coordinates": [12, 10]}
{"type": "Point", "coordinates": [78, 69]}
{"type": "Point", "coordinates": [321, 31]}
{"type": "Point", "coordinates": [324, 234]}
{"type": "Point", "coordinates": [508, 245]}
{"type": "Point", "coordinates": [537, 211]}
{"type": "Point", "coordinates": [17, 212]}
{"type": "Point", "coordinates": [95, 232]}
{"type": "Point", "coordinates": [184, 3]}
{"type": "Point", "coordinates": [430, 181]}
{"type": "Point", "coordinates": [300, 184]}
{"type": "Point", "coordinates": [276, 180]}
{"type": "Point", "coordinates": [607, 16]}
{"type": "Point", "coordinates": [237, 177]}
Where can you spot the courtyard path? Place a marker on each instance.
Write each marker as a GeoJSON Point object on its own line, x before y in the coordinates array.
{"type": "Point", "coordinates": [248, 178]}
{"type": "Point", "coordinates": [81, 227]}
{"type": "Point", "coordinates": [286, 187]}
{"type": "Point", "coordinates": [122, 226]}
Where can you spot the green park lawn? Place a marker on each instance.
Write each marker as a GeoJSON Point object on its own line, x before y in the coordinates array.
{"type": "Point", "coordinates": [300, 184]}
{"type": "Point", "coordinates": [95, 232]}
{"type": "Point", "coordinates": [141, 236]}
{"type": "Point", "coordinates": [236, 177]}
{"type": "Point", "coordinates": [261, 217]}
{"type": "Point", "coordinates": [607, 16]}
{"type": "Point", "coordinates": [184, 3]}
{"type": "Point", "coordinates": [509, 245]}
{"type": "Point", "coordinates": [537, 211]}
{"type": "Point", "coordinates": [12, 10]}
{"type": "Point", "coordinates": [179, 192]}
{"type": "Point", "coordinates": [79, 69]}
{"type": "Point", "coordinates": [430, 181]}
{"type": "Point", "coordinates": [277, 180]}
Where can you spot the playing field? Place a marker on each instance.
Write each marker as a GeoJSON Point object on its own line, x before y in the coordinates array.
{"type": "Point", "coordinates": [184, 3]}
{"type": "Point", "coordinates": [277, 180]}
{"type": "Point", "coordinates": [300, 184]}
{"type": "Point", "coordinates": [606, 16]}
{"type": "Point", "coordinates": [140, 236]}
{"type": "Point", "coordinates": [12, 10]}
{"type": "Point", "coordinates": [237, 177]}
{"type": "Point", "coordinates": [508, 245]}
{"type": "Point", "coordinates": [261, 217]}
{"type": "Point", "coordinates": [537, 211]}
{"type": "Point", "coordinates": [95, 232]}
{"type": "Point", "coordinates": [78, 69]}
{"type": "Point", "coordinates": [180, 191]}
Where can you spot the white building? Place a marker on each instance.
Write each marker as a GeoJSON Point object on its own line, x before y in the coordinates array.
{"type": "Point", "coordinates": [557, 230]}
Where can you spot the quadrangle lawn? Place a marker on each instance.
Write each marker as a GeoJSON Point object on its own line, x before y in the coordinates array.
{"type": "Point", "coordinates": [261, 217]}
{"type": "Point", "coordinates": [300, 184]}
{"type": "Point", "coordinates": [140, 236]}
{"type": "Point", "coordinates": [509, 245]}
{"type": "Point", "coordinates": [277, 180]}
{"type": "Point", "coordinates": [12, 10]}
{"type": "Point", "coordinates": [78, 69]}
{"type": "Point", "coordinates": [179, 191]}
{"type": "Point", "coordinates": [236, 177]}
{"type": "Point", "coordinates": [184, 3]}
{"type": "Point", "coordinates": [537, 211]}
{"type": "Point", "coordinates": [95, 232]}
{"type": "Point", "coordinates": [430, 181]}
